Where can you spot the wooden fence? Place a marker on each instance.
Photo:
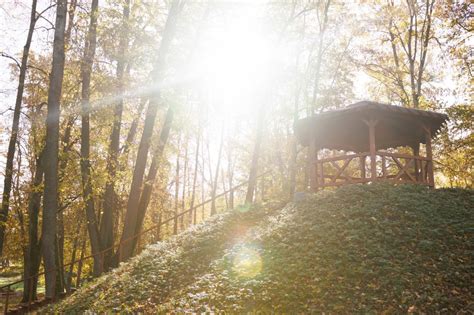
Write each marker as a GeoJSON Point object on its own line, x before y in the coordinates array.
{"type": "Point", "coordinates": [353, 169]}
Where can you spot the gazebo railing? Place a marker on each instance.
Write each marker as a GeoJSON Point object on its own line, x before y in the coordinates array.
{"type": "Point", "coordinates": [356, 168]}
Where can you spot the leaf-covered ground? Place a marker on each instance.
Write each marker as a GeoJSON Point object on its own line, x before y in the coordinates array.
{"type": "Point", "coordinates": [363, 249]}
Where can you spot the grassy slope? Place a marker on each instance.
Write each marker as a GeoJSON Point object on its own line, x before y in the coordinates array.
{"type": "Point", "coordinates": [368, 248]}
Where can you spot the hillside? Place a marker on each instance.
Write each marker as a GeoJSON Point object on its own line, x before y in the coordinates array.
{"type": "Point", "coordinates": [368, 248]}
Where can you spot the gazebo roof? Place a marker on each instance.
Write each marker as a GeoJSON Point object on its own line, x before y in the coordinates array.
{"type": "Point", "coordinates": [345, 129]}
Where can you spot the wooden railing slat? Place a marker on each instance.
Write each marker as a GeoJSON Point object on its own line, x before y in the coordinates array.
{"type": "Point", "coordinates": [402, 170]}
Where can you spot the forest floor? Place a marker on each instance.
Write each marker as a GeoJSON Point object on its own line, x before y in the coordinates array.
{"type": "Point", "coordinates": [361, 248]}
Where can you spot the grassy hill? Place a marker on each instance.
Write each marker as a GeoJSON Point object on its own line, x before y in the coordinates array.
{"type": "Point", "coordinates": [363, 249]}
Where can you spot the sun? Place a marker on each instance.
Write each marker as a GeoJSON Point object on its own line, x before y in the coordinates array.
{"type": "Point", "coordinates": [234, 60]}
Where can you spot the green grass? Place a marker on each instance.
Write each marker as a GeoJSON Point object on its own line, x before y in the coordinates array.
{"type": "Point", "coordinates": [359, 249]}
{"type": "Point", "coordinates": [7, 280]}
{"type": "Point", "coordinates": [11, 274]}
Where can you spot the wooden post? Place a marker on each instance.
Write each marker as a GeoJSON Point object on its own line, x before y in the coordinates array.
{"type": "Point", "coordinates": [373, 163]}
{"type": "Point", "coordinates": [416, 154]}
{"type": "Point", "coordinates": [423, 165]}
{"type": "Point", "coordinates": [429, 156]}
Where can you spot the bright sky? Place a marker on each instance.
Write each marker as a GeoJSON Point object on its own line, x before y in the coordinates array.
{"type": "Point", "coordinates": [14, 21]}
{"type": "Point", "coordinates": [235, 59]}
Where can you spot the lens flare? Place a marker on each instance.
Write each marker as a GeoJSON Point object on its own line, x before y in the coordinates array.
{"type": "Point", "coordinates": [247, 263]}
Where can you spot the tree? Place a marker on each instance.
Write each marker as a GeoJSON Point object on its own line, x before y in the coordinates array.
{"type": "Point", "coordinates": [192, 214]}
{"type": "Point", "coordinates": [401, 68]}
{"type": "Point", "coordinates": [459, 31]}
{"type": "Point", "coordinates": [32, 258]}
{"type": "Point", "coordinates": [131, 216]}
{"type": "Point", "coordinates": [152, 172]}
{"type": "Point", "coordinates": [455, 147]}
{"type": "Point", "coordinates": [7, 184]}
{"type": "Point", "coordinates": [107, 221]}
{"type": "Point", "coordinates": [252, 182]}
{"type": "Point", "coordinates": [323, 24]}
{"type": "Point", "coordinates": [86, 69]}
{"type": "Point", "coordinates": [50, 197]}
{"type": "Point", "coordinates": [216, 175]}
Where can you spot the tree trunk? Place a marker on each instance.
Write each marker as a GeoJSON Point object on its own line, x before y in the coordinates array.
{"type": "Point", "coordinates": [158, 230]}
{"type": "Point", "coordinates": [73, 256]}
{"type": "Point", "coordinates": [130, 223]}
{"type": "Point", "coordinates": [107, 221]}
{"type": "Point", "coordinates": [50, 199]}
{"type": "Point", "coordinates": [252, 182]}
{"type": "Point", "coordinates": [185, 180]}
{"type": "Point", "coordinates": [80, 264]}
{"type": "Point", "coordinates": [60, 267]}
{"type": "Point", "coordinates": [133, 129]}
{"type": "Point", "coordinates": [176, 194]}
{"type": "Point", "coordinates": [70, 24]}
{"type": "Point", "coordinates": [7, 184]}
{"type": "Point", "coordinates": [202, 181]}
{"type": "Point", "coordinates": [66, 147]}
{"type": "Point", "coordinates": [293, 165]}
{"type": "Point", "coordinates": [216, 178]}
{"type": "Point", "coordinates": [224, 189]}
{"type": "Point", "coordinates": [425, 38]}
{"type": "Point", "coordinates": [192, 214]}
{"type": "Point", "coordinates": [398, 74]}
{"type": "Point", "coordinates": [86, 69]}
{"type": "Point", "coordinates": [230, 176]}
{"type": "Point", "coordinates": [319, 56]}
{"type": "Point", "coordinates": [33, 256]}
{"type": "Point", "coordinates": [293, 141]}
{"type": "Point", "coordinates": [152, 172]}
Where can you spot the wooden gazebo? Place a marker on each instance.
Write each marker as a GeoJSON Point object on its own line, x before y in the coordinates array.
{"type": "Point", "coordinates": [368, 133]}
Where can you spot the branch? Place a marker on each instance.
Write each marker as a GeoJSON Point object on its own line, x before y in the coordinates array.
{"type": "Point", "coordinates": [4, 54]}
{"type": "Point", "coordinates": [40, 14]}
{"type": "Point", "coordinates": [6, 110]}
{"type": "Point", "coordinates": [39, 69]}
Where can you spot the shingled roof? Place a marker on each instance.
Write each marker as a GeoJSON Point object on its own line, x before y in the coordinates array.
{"type": "Point", "coordinates": [344, 129]}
